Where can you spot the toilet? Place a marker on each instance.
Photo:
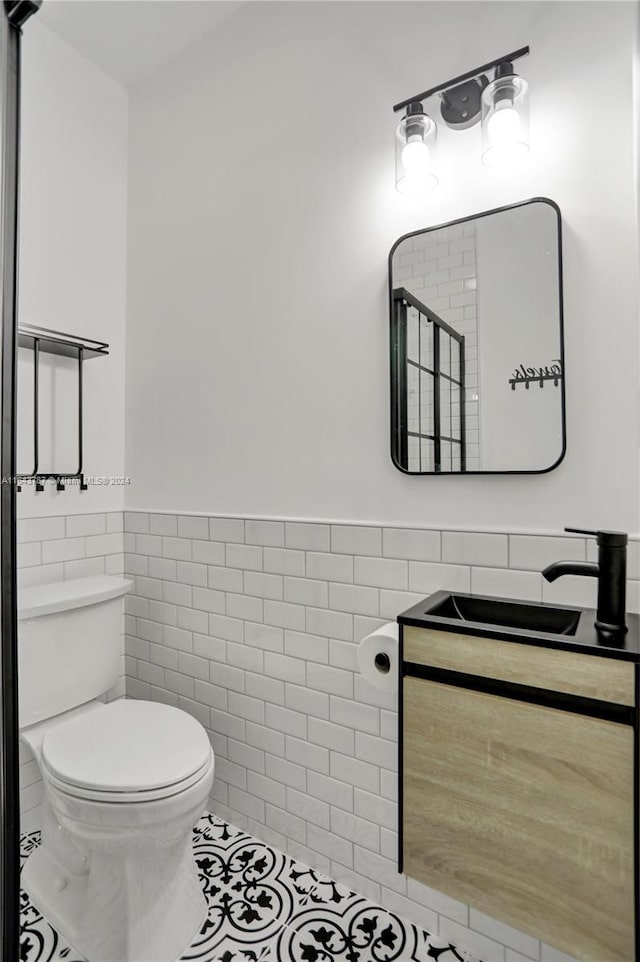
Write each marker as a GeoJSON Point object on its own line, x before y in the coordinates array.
{"type": "Point", "coordinates": [124, 783]}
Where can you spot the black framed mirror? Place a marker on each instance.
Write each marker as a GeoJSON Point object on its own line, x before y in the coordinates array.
{"type": "Point", "coordinates": [477, 347]}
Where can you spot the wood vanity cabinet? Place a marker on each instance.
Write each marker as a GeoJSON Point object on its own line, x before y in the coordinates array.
{"type": "Point", "coordinates": [518, 786]}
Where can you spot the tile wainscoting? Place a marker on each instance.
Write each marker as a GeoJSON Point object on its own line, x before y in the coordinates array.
{"type": "Point", "coordinates": [252, 626]}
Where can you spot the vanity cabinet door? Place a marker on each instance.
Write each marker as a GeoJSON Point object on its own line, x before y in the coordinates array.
{"type": "Point", "coordinates": [523, 811]}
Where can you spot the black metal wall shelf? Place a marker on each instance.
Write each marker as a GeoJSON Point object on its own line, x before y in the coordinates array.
{"type": "Point", "coordinates": [57, 342]}
{"type": "Point", "coordinates": [44, 340]}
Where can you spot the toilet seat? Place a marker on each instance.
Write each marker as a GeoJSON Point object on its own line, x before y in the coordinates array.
{"type": "Point", "coordinates": [127, 751]}
{"type": "Point", "coordinates": [142, 795]}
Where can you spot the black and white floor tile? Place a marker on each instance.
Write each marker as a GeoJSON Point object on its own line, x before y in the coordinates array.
{"type": "Point", "coordinates": [265, 907]}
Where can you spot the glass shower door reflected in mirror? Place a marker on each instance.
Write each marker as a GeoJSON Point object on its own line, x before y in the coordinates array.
{"type": "Point", "coordinates": [433, 365]}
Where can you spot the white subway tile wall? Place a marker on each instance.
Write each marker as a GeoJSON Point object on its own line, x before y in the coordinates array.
{"type": "Point", "coordinates": [265, 656]}
{"type": "Point", "coordinates": [252, 627]}
{"type": "Point", "coordinates": [57, 549]}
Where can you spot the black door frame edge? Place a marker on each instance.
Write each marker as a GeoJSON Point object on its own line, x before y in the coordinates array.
{"type": "Point", "coordinates": [13, 15]}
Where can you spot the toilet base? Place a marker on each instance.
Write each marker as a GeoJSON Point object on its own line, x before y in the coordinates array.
{"type": "Point", "coordinates": [41, 877]}
{"type": "Point", "coordinates": [129, 920]}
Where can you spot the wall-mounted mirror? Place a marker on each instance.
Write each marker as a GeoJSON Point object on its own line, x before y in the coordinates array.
{"type": "Point", "coordinates": [477, 355]}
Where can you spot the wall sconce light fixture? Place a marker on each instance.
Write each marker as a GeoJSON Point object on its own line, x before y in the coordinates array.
{"type": "Point", "coordinates": [501, 105]}
{"type": "Point", "coordinates": [416, 157]}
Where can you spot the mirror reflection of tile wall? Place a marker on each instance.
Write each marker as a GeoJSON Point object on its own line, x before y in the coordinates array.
{"type": "Point", "coordinates": [440, 269]}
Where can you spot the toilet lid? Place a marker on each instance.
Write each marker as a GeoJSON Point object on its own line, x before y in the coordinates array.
{"type": "Point", "coordinates": [127, 746]}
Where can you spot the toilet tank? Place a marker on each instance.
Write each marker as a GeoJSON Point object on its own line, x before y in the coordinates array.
{"type": "Point", "coordinates": [69, 644]}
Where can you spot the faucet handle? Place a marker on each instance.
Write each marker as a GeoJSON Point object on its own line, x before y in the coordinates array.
{"type": "Point", "coordinates": [610, 538]}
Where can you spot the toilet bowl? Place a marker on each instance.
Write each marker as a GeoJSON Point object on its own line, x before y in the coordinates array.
{"type": "Point", "coordinates": [124, 784]}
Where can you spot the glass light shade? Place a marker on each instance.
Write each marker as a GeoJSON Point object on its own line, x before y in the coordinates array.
{"type": "Point", "coordinates": [505, 121]}
{"type": "Point", "coordinates": [416, 137]}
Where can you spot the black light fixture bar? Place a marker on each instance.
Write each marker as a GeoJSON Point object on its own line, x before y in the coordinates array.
{"type": "Point", "coordinates": [469, 75]}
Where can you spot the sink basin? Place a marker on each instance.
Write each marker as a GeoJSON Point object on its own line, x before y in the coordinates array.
{"type": "Point", "coordinates": [504, 613]}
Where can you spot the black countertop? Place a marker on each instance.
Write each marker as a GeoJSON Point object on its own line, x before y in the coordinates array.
{"type": "Point", "coordinates": [584, 639]}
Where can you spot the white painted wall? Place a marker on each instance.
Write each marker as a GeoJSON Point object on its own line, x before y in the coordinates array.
{"type": "Point", "coordinates": [72, 263]}
{"type": "Point", "coordinates": [262, 210]}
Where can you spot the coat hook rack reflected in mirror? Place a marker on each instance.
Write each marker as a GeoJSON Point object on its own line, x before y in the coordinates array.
{"type": "Point", "coordinates": [537, 375]}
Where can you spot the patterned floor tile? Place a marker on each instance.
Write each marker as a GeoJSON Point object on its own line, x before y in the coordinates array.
{"type": "Point", "coordinates": [269, 881]}
{"type": "Point", "coordinates": [236, 920]}
{"type": "Point", "coordinates": [266, 954]}
{"type": "Point", "coordinates": [210, 828]}
{"type": "Point", "coordinates": [418, 945]}
{"type": "Point", "coordinates": [252, 890]}
{"type": "Point", "coordinates": [264, 906]}
{"type": "Point", "coordinates": [353, 931]}
{"type": "Point", "coordinates": [432, 947]}
{"type": "Point", "coordinates": [327, 890]}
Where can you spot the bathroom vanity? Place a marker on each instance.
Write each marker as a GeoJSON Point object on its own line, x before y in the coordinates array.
{"type": "Point", "coordinates": [518, 771]}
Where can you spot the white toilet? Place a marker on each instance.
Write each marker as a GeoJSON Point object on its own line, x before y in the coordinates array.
{"type": "Point", "coordinates": [125, 782]}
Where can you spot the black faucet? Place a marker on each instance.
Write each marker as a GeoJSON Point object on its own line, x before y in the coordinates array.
{"type": "Point", "coordinates": [611, 572]}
